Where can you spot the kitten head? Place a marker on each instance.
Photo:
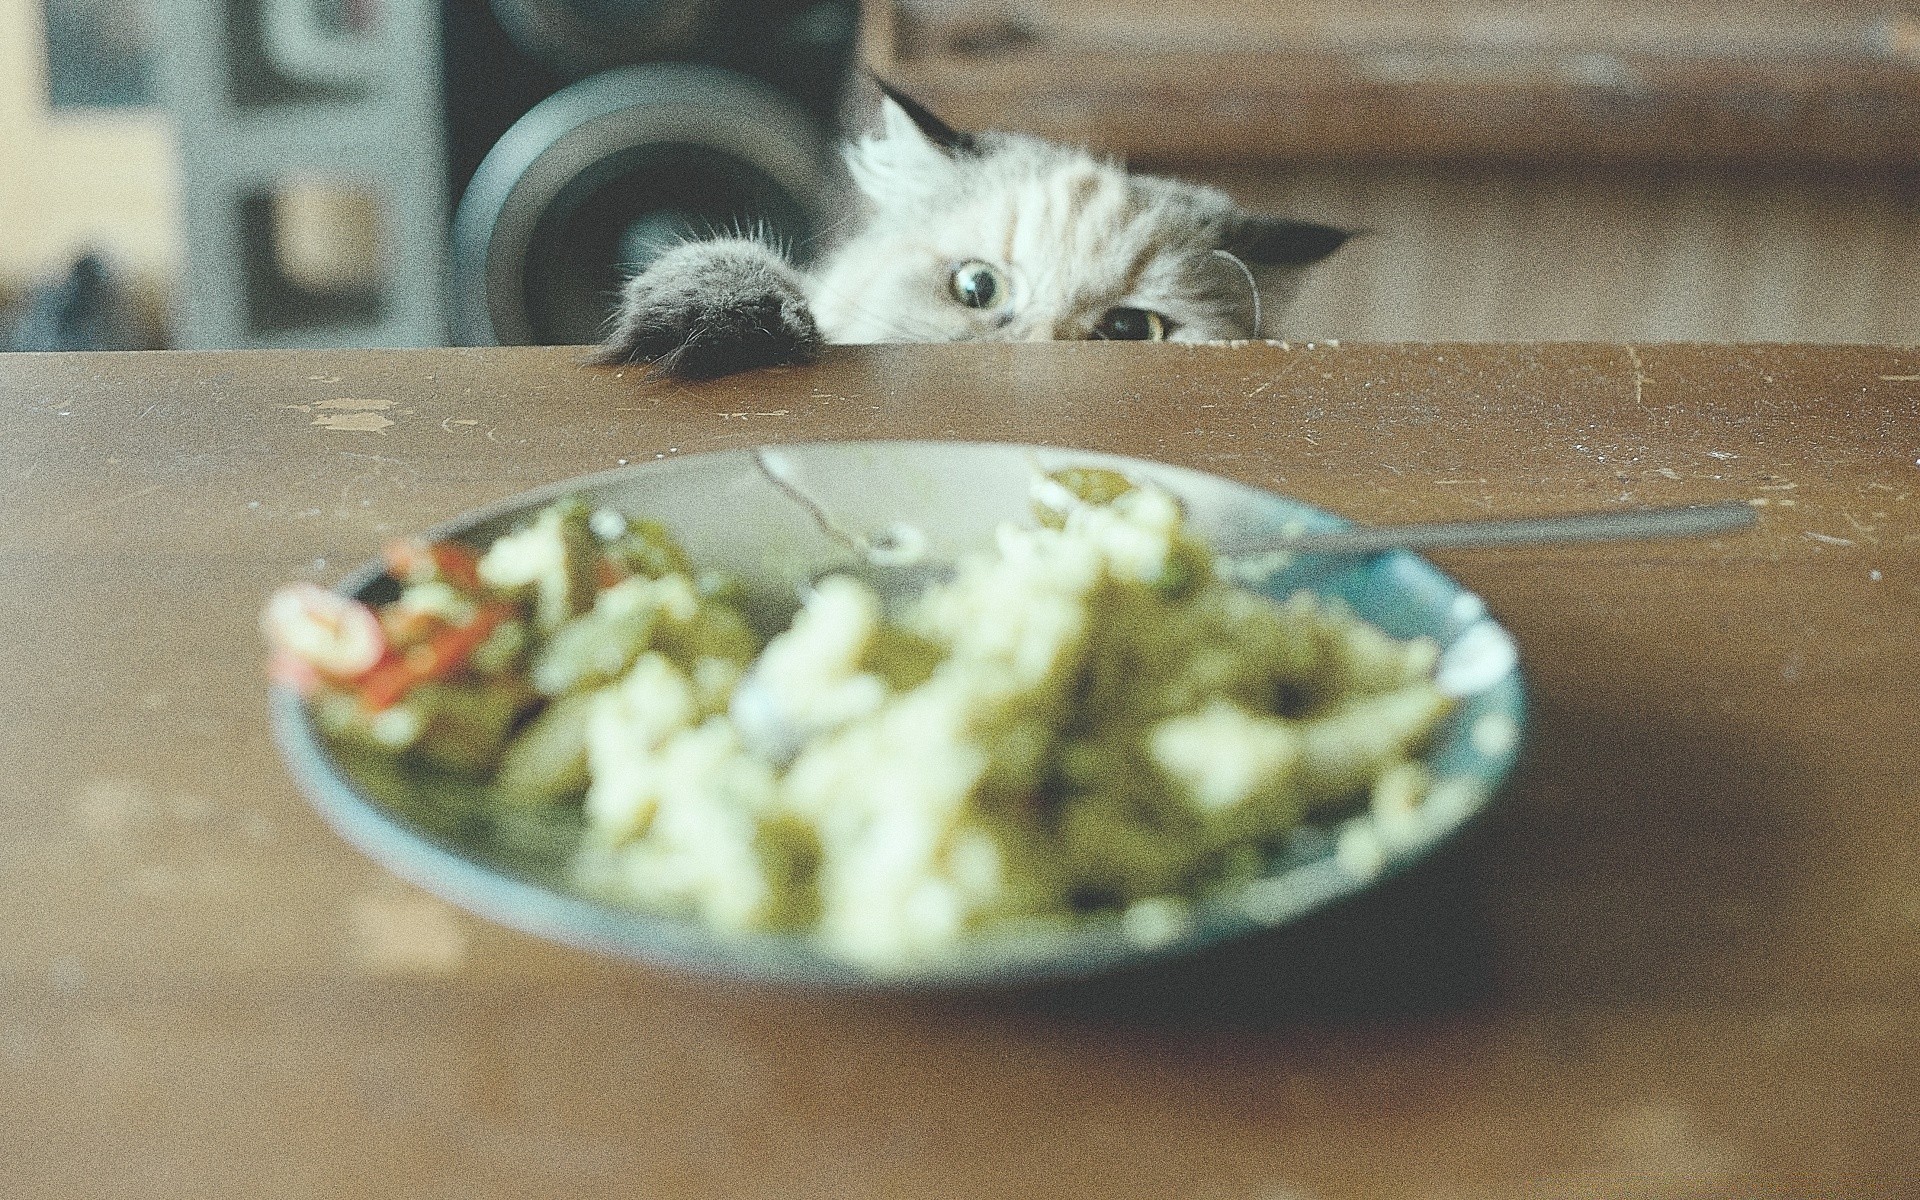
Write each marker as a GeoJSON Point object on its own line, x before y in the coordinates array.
{"type": "Point", "coordinates": [1004, 237]}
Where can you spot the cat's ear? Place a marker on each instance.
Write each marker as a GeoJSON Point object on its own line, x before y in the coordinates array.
{"type": "Point", "coordinates": [901, 111]}
{"type": "Point", "coordinates": [911, 155]}
{"type": "Point", "coordinates": [1279, 242]}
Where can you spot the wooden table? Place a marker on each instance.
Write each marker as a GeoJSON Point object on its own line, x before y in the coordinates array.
{"type": "Point", "coordinates": [1680, 961]}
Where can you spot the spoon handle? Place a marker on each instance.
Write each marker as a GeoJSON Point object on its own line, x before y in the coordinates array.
{"type": "Point", "coordinates": [1693, 520]}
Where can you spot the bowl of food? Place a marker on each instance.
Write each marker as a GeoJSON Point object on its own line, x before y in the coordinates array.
{"type": "Point", "coordinates": [904, 714]}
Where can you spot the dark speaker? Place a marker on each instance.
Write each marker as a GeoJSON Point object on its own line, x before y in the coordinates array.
{"type": "Point", "coordinates": [584, 136]}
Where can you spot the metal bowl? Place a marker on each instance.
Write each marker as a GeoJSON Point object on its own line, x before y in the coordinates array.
{"type": "Point", "coordinates": [774, 517]}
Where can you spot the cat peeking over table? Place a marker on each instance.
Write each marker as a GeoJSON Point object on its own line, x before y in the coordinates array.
{"type": "Point", "coordinates": [973, 237]}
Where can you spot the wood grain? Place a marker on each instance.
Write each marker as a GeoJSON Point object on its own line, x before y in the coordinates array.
{"type": "Point", "coordinates": [1679, 961]}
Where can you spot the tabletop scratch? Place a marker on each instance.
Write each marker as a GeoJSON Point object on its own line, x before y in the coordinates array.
{"type": "Point", "coordinates": [1640, 377]}
{"type": "Point", "coordinates": [377, 458]}
{"type": "Point", "coordinates": [1869, 534]}
{"type": "Point", "coordinates": [96, 509]}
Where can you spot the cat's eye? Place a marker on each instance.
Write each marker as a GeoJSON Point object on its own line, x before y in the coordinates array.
{"type": "Point", "coordinates": [1131, 325]}
{"type": "Point", "coordinates": [978, 284]}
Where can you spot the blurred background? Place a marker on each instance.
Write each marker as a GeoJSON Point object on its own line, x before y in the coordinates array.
{"type": "Point", "coordinates": [232, 173]}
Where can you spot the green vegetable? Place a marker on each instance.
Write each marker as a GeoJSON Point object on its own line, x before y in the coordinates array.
{"type": "Point", "coordinates": [598, 648]}
{"type": "Point", "coordinates": [557, 559]}
{"type": "Point", "coordinates": [466, 723]}
{"type": "Point", "coordinates": [1086, 485]}
{"type": "Point", "coordinates": [646, 548]}
{"type": "Point", "coordinates": [546, 762]}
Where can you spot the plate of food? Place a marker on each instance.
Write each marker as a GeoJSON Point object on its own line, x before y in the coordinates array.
{"type": "Point", "coordinates": [900, 714]}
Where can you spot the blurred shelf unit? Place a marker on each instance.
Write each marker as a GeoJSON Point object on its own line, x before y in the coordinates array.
{"type": "Point", "coordinates": [1758, 82]}
{"type": "Point", "coordinates": [396, 172]}
{"type": "Point", "coordinates": [313, 189]}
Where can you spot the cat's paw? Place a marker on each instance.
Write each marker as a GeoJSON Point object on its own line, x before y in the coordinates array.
{"type": "Point", "coordinates": [712, 308]}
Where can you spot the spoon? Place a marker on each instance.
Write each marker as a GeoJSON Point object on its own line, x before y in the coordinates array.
{"type": "Point", "coordinates": [1607, 525]}
{"type": "Point", "coordinates": [897, 569]}
{"type": "Point", "coordinates": [898, 582]}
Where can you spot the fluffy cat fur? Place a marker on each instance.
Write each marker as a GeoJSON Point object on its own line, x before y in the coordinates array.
{"type": "Point", "coordinates": [962, 237]}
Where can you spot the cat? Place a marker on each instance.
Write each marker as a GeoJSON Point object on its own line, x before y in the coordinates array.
{"type": "Point", "coordinates": [973, 237]}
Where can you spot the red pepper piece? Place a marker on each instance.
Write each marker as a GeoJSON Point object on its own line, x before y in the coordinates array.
{"type": "Point", "coordinates": [607, 573]}
{"type": "Point", "coordinates": [449, 562]}
{"type": "Point", "coordinates": [437, 657]}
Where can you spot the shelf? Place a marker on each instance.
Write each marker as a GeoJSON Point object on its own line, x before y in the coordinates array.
{"type": "Point", "coordinates": [1834, 83]}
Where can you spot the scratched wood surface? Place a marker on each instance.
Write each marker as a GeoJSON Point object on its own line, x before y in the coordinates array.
{"type": "Point", "coordinates": [1679, 961]}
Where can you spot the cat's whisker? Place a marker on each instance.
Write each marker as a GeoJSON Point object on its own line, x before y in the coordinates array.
{"type": "Point", "coordinates": [1252, 287]}
{"type": "Point", "coordinates": [893, 324]}
{"type": "Point", "coordinates": [832, 227]}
